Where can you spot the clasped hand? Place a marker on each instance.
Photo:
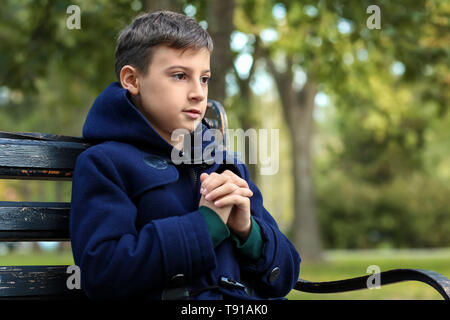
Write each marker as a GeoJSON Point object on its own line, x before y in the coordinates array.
{"type": "Point", "coordinates": [229, 196]}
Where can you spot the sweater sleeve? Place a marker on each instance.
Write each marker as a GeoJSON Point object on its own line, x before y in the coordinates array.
{"type": "Point", "coordinates": [252, 247]}
{"type": "Point", "coordinates": [115, 259]}
{"type": "Point", "coordinates": [217, 229]}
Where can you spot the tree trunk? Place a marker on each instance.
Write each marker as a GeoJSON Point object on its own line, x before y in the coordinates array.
{"type": "Point", "coordinates": [220, 25]}
{"type": "Point", "coordinates": [298, 111]}
{"type": "Point", "coordinates": [306, 235]}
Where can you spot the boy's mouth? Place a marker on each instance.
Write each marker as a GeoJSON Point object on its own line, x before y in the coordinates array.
{"type": "Point", "coordinates": [193, 113]}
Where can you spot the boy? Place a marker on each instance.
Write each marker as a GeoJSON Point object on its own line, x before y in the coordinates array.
{"type": "Point", "coordinates": [143, 227]}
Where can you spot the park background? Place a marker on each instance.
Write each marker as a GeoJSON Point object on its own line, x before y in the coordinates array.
{"type": "Point", "coordinates": [362, 113]}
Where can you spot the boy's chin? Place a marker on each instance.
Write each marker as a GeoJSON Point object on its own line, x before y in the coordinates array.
{"type": "Point", "coordinates": [196, 125]}
{"type": "Point", "coordinates": [188, 128]}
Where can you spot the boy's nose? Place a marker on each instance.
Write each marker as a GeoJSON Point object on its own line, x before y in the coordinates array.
{"type": "Point", "coordinates": [197, 92]}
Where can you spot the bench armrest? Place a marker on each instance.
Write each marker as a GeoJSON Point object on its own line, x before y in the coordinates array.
{"type": "Point", "coordinates": [434, 279]}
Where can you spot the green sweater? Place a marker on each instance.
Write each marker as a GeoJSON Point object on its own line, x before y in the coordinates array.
{"type": "Point", "coordinates": [251, 248]}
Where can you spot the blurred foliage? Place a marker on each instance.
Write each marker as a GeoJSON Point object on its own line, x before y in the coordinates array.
{"type": "Point", "coordinates": [408, 212]}
{"type": "Point", "coordinates": [52, 72]}
{"type": "Point", "coordinates": [382, 144]}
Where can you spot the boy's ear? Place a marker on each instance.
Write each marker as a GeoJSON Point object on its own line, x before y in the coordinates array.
{"type": "Point", "coordinates": [129, 79]}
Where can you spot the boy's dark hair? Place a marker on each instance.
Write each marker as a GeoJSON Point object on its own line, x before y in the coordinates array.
{"type": "Point", "coordinates": [136, 41]}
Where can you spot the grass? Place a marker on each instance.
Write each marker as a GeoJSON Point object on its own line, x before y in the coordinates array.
{"type": "Point", "coordinates": [338, 265]}
{"type": "Point", "coordinates": [37, 258]}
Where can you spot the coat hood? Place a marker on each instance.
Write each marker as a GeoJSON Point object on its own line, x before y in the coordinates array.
{"type": "Point", "coordinates": [113, 117]}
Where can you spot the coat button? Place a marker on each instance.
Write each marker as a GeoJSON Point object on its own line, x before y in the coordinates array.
{"type": "Point", "coordinates": [177, 280]}
{"type": "Point", "coordinates": [274, 274]}
{"type": "Point", "coordinates": [155, 162]}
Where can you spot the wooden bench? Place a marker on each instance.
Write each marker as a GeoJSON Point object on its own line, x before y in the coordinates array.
{"type": "Point", "coordinates": [52, 157]}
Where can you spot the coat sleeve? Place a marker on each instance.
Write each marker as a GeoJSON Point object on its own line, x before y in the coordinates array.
{"type": "Point", "coordinates": [116, 260]}
{"type": "Point", "coordinates": [277, 270]}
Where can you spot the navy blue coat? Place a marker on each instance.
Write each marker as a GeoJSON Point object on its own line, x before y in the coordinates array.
{"type": "Point", "coordinates": [135, 222]}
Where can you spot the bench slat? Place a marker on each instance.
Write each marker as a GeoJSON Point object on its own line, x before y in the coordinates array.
{"type": "Point", "coordinates": [36, 174]}
{"type": "Point", "coordinates": [21, 158]}
{"type": "Point", "coordinates": [34, 221]}
{"type": "Point", "coordinates": [37, 281]}
{"type": "Point", "coordinates": [40, 136]}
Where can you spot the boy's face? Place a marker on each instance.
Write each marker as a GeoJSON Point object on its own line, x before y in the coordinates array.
{"type": "Point", "coordinates": [176, 81]}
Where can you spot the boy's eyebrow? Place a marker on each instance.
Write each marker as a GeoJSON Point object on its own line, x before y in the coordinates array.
{"type": "Point", "coordinates": [186, 68]}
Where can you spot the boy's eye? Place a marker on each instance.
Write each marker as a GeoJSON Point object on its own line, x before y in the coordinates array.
{"type": "Point", "coordinates": [179, 76]}
{"type": "Point", "coordinates": [205, 80]}
{"type": "Point", "coordinates": [183, 76]}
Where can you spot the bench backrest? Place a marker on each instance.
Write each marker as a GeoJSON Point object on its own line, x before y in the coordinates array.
{"type": "Point", "coordinates": [39, 156]}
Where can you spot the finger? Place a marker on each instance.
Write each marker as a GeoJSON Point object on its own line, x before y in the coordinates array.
{"type": "Point", "coordinates": [235, 178]}
{"type": "Point", "coordinates": [227, 175]}
{"type": "Point", "coordinates": [232, 199]}
{"type": "Point", "coordinates": [213, 181]}
{"type": "Point", "coordinates": [244, 192]}
{"type": "Point", "coordinates": [220, 179]}
{"type": "Point", "coordinates": [226, 189]}
{"type": "Point", "coordinates": [203, 176]}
